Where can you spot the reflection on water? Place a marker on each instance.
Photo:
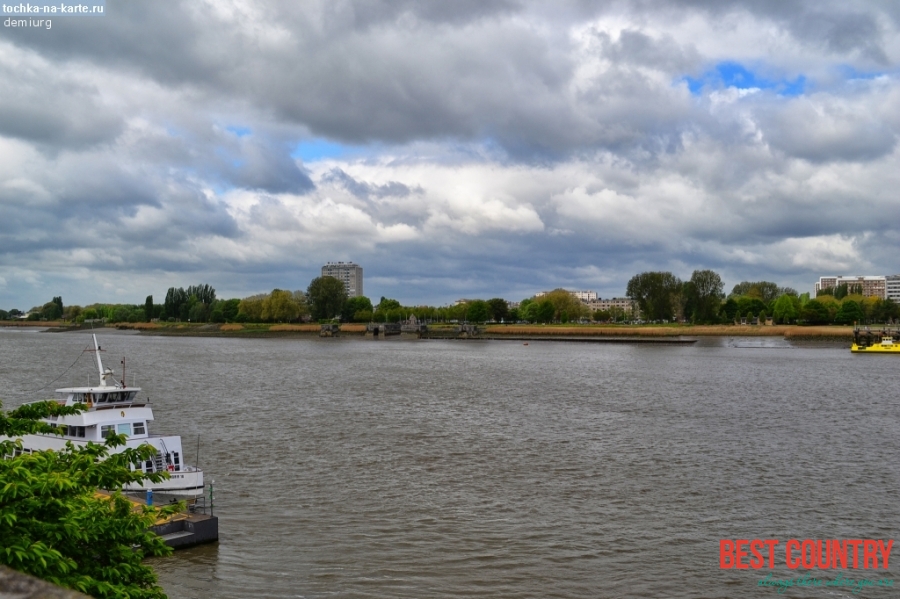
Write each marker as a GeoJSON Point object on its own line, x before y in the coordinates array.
{"type": "Point", "coordinates": [351, 468]}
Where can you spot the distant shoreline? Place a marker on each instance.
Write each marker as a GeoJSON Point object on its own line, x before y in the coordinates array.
{"type": "Point", "coordinates": [513, 331]}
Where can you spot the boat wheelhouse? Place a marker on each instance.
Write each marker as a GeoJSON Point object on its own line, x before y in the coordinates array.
{"type": "Point", "coordinates": [112, 408]}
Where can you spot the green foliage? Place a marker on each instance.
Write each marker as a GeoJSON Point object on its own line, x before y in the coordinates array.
{"type": "Point", "coordinates": [544, 311]}
{"type": "Point", "coordinates": [849, 313]}
{"type": "Point", "coordinates": [765, 291]}
{"type": "Point", "coordinates": [729, 310]}
{"type": "Point", "coordinates": [655, 294]}
{"type": "Point", "coordinates": [704, 296]}
{"type": "Point", "coordinates": [148, 308]}
{"type": "Point", "coordinates": [387, 304]}
{"type": "Point", "coordinates": [354, 305]}
{"type": "Point", "coordinates": [204, 293]}
{"type": "Point", "coordinates": [478, 311]}
{"type": "Point", "coordinates": [51, 311]}
{"type": "Point", "coordinates": [814, 312]}
{"type": "Point", "coordinates": [785, 311]}
{"type": "Point", "coordinates": [565, 302]}
{"type": "Point", "coordinates": [229, 308]}
{"type": "Point", "coordinates": [326, 296]}
{"type": "Point", "coordinates": [601, 316]}
{"type": "Point", "coordinates": [281, 306]}
{"type": "Point", "coordinates": [55, 526]}
{"type": "Point", "coordinates": [499, 308]}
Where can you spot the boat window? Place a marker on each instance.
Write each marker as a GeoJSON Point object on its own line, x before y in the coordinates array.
{"type": "Point", "coordinates": [124, 429]}
{"type": "Point", "coordinates": [78, 398]}
{"type": "Point", "coordinates": [177, 459]}
{"type": "Point", "coordinates": [131, 395]}
{"type": "Point", "coordinates": [75, 431]}
{"type": "Point", "coordinates": [139, 428]}
{"type": "Point", "coordinates": [106, 430]}
{"type": "Point", "coordinates": [148, 466]}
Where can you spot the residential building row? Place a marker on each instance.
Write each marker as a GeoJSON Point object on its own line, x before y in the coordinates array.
{"type": "Point", "coordinates": [883, 286]}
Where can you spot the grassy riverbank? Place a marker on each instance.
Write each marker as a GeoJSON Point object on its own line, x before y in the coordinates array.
{"type": "Point", "coordinates": [496, 331]}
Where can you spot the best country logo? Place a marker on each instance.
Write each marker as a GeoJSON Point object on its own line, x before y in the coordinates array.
{"type": "Point", "coordinates": [743, 554]}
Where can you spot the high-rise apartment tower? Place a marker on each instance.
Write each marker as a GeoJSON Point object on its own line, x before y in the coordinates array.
{"type": "Point", "coordinates": [348, 273]}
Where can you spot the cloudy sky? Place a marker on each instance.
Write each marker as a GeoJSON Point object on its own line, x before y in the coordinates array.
{"type": "Point", "coordinates": [474, 148]}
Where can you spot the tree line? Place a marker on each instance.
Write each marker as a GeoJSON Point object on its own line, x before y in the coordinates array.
{"type": "Point", "coordinates": [659, 296]}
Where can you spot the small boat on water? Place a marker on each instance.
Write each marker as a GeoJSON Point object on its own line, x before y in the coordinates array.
{"type": "Point", "coordinates": [865, 341]}
{"type": "Point", "coordinates": [114, 408]}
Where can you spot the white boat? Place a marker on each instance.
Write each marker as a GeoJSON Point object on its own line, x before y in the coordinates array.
{"type": "Point", "coordinates": [113, 408]}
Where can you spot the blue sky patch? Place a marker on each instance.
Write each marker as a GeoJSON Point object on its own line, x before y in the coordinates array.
{"type": "Point", "coordinates": [239, 131]}
{"type": "Point", "coordinates": [734, 74]}
{"type": "Point", "coordinates": [318, 149]}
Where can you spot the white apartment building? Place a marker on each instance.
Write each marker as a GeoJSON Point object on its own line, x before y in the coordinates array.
{"type": "Point", "coordinates": [585, 296]}
{"type": "Point", "coordinates": [872, 286]}
{"type": "Point", "coordinates": [348, 273]}
{"type": "Point", "coordinates": [892, 287]}
{"type": "Point", "coordinates": [624, 303]}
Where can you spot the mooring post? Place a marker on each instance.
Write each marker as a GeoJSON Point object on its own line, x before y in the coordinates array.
{"type": "Point", "coordinates": [150, 497]}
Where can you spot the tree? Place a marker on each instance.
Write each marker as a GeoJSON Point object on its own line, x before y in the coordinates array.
{"type": "Point", "coordinates": [386, 304]}
{"type": "Point", "coordinates": [706, 296]}
{"type": "Point", "coordinates": [761, 290]}
{"type": "Point", "coordinates": [51, 311]}
{"type": "Point", "coordinates": [230, 308]}
{"type": "Point", "coordinates": [654, 293]}
{"type": "Point", "coordinates": [499, 308]}
{"type": "Point", "coordinates": [280, 306]}
{"type": "Point", "coordinates": [54, 525]}
{"type": "Point", "coordinates": [478, 311]}
{"type": "Point", "coordinates": [564, 301]}
{"type": "Point", "coordinates": [527, 309]}
{"type": "Point", "coordinates": [814, 312]}
{"type": "Point", "coordinates": [785, 311]}
{"type": "Point", "coordinates": [175, 298]}
{"type": "Point", "coordinates": [250, 308]}
{"type": "Point", "coordinates": [353, 305]}
{"type": "Point", "coordinates": [848, 313]}
{"type": "Point", "coordinates": [326, 296]}
{"type": "Point", "coordinates": [204, 293]}
{"type": "Point", "coordinates": [601, 316]}
{"type": "Point", "coordinates": [148, 308]}
{"type": "Point", "coordinates": [544, 311]}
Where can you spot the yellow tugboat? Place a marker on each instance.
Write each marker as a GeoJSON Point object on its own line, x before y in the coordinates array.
{"type": "Point", "coordinates": [866, 342]}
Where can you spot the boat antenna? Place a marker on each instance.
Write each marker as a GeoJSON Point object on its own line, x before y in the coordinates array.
{"type": "Point", "coordinates": [104, 373]}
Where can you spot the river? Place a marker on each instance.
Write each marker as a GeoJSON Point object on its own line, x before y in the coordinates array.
{"type": "Point", "coordinates": [355, 468]}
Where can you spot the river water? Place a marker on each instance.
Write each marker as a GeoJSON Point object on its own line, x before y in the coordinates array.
{"type": "Point", "coordinates": [357, 468]}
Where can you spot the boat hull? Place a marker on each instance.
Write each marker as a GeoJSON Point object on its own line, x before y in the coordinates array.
{"type": "Point", "coordinates": [875, 349]}
{"type": "Point", "coordinates": [187, 481]}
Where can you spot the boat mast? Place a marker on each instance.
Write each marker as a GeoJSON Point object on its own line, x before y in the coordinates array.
{"type": "Point", "coordinates": [104, 374]}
